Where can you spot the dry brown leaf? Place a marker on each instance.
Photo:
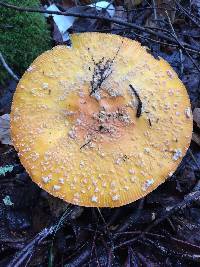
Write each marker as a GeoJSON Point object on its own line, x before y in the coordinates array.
{"type": "Point", "coordinates": [166, 4]}
{"type": "Point", "coordinates": [132, 3]}
{"type": "Point", "coordinates": [196, 116]}
{"type": "Point", "coordinates": [196, 138]}
{"type": "Point", "coordinates": [5, 129]}
{"type": "Point", "coordinates": [119, 14]}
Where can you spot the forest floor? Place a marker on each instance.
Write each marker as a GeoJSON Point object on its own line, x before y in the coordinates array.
{"type": "Point", "coordinates": [162, 229]}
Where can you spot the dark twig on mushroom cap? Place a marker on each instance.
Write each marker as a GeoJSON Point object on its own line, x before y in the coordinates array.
{"type": "Point", "coordinates": [139, 107]}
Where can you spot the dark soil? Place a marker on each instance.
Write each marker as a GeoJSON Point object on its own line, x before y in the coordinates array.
{"type": "Point", "coordinates": [163, 229]}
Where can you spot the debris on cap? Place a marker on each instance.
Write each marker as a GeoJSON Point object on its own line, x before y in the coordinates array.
{"type": "Point", "coordinates": [101, 124]}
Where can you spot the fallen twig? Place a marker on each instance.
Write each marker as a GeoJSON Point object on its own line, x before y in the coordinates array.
{"type": "Point", "coordinates": [25, 254]}
{"type": "Point", "coordinates": [188, 200]}
{"type": "Point", "coordinates": [90, 16]}
{"type": "Point", "coordinates": [82, 257]}
{"type": "Point", "coordinates": [180, 44]}
{"type": "Point", "coordinates": [133, 218]}
{"type": "Point", "coordinates": [23, 257]}
{"type": "Point", "coordinates": [190, 16]}
{"type": "Point", "coordinates": [8, 69]}
{"type": "Point", "coordinates": [191, 197]}
{"type": "Point", "coordinates": [139, 107]}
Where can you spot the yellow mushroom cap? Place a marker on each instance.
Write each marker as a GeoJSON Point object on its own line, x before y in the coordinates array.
{"type": "Point", "coordinates": [100, 124]}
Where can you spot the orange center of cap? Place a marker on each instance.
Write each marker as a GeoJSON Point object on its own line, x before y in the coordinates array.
{"type": "Point", "coordinates": [101, 120]}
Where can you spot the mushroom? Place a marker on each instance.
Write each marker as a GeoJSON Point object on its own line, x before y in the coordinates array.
{"type": "Point", "coordinates": [100, 124]}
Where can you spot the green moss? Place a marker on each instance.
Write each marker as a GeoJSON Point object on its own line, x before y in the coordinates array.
{"type": "Point", "coordinates": [23, 36]}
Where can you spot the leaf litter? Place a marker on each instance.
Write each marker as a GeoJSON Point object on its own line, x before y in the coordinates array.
{"type": "Point", "coordinates": [5, 138]}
